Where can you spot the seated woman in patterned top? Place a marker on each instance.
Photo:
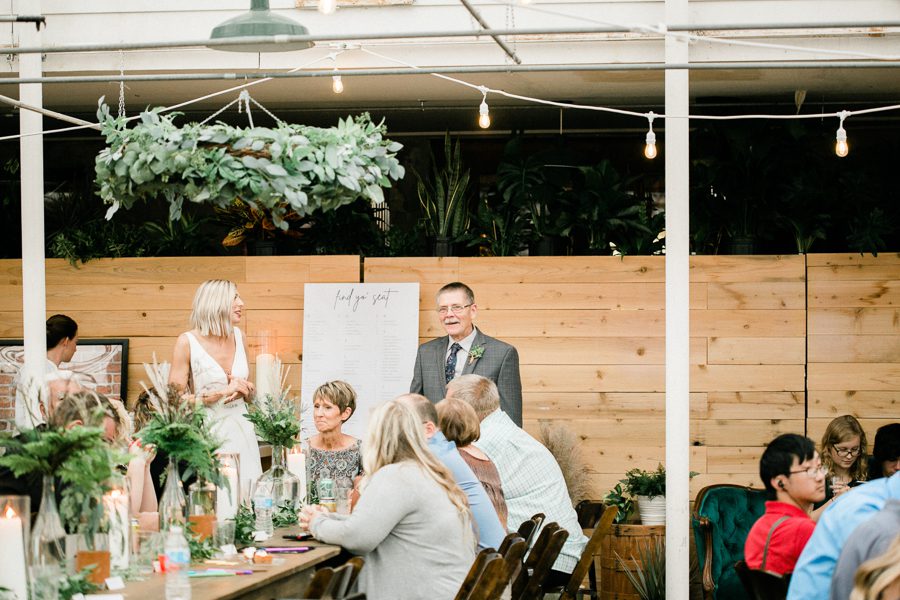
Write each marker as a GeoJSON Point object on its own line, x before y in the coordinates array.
{"type": "Point", "coordinates": [330, 453]}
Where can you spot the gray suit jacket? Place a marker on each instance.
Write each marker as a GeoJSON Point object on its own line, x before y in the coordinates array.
{"type": "Point", "coordinates": [500, 363]}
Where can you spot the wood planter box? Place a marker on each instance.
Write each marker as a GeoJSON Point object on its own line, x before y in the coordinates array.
{"type": "Point", "coordinates": [626, 541]}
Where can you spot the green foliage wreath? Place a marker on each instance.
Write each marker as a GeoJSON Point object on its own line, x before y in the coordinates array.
{"type": "Point", "coordinates": [287, 168]}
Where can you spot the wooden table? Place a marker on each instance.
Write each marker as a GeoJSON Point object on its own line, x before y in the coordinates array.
{"type": "Point", "coordinates": [286, 580]}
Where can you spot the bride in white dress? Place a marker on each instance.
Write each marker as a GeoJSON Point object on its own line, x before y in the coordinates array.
{"type": "Point", "coordinates": [213, 359]}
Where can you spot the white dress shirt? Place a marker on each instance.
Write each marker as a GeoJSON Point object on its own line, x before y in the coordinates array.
{"type": "Point", "coordinates": [462, 355]}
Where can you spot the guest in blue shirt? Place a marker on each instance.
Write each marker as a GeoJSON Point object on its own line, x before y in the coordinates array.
{"type": "Point", "coordinates": [490, 531]}
{"type": "Point", "coordinates": [812, 575]}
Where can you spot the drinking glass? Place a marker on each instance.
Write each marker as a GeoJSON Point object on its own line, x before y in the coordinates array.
{"type": "Point", "coordinates": [342, 489]}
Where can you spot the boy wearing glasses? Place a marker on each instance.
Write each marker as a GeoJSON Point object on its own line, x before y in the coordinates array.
{"type": "Point", "coordinates": [466, 350]}
{"type": "Point", "coordinates": [792, 473]}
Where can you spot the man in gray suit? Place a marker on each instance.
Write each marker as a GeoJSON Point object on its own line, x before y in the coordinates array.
{"type": "Point", "coordinates": [466, 350]}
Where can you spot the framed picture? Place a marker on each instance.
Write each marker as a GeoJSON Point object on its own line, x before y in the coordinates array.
{"type": "Point", "coordinates": [102, 362]}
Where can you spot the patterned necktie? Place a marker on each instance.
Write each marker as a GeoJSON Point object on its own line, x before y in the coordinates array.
{"type": "Point", "coordinates": [450, 368]}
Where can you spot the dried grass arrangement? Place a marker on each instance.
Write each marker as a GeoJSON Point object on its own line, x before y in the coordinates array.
{"type": "Point", "coordinates": [564, 445]}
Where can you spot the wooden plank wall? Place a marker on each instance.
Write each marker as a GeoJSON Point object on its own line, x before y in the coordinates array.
{"type": "Point", "coordinates": [590, 333]}
{"type": "Point", "coordinates": [148, 300]}
{"type": "Point", "coordinates": [854, 340]}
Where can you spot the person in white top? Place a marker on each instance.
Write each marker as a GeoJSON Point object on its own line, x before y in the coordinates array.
{"type": "Point", "coordinates": [62, 341]}
{"type": "Point", "coordinates": [531, 478]}
{"type": "Point", "coordinates": [211, 360]}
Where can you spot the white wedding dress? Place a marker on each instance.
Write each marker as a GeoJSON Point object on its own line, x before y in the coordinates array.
{"type": "Point", "coordinates": [228, 421]}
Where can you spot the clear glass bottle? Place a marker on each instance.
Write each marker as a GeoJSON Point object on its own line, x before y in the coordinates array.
{"type": "Point", "coordinates": [48, 546]}
{"type": "Point", "coordinates": [172, 503]}
{"type": "Point", "coordinates": [178, 562]}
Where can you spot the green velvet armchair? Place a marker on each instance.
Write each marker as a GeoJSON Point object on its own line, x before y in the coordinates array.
{"type": "Point", "coordinates": [722, 518]}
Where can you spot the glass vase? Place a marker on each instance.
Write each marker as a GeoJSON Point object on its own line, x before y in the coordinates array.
{"type": "Point", "coordinates": [48, 546]}
{"type": "Point", "coordinates": [285, 485]}
{"type": "Point", "coordinates": [172, 504]}
{"type": "Point", "coordinates": [202, 508]}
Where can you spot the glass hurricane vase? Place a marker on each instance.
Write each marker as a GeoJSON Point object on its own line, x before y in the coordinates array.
{"type": "Point", "coordinates": [172, 503]}
{"type": "Point", "coordinates": [286, 486]}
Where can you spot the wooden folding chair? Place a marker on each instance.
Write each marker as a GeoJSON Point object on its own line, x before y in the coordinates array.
{"type": "Point", "coordinates": [586, 562]}
{"type": "Point", "coordinates": [509, 539]}
{"type": "Point", "coordinates": [514, 554]}
{"type": "Point", "coordinates": [589, 513]}
{"type": "Point", "coordinates": [530, 527]}
{"type": "Point", "coordinates": [543, 563]}
{"type": "Point", "coordinates": [356, 564]}
{"type": "Point", "coordinates": [320, 581]}
{"type": "Point", "coordinates": [540, 545]}
{"type": "Point", "coordinates": [340, 582]}
{"type": "Point", "coordinates": [492, 580]}
{"type": "Point", "coordinates": [474, 572]}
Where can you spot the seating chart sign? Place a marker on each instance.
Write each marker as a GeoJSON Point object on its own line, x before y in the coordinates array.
{"type": "Point", "coordinates": [366, 334]}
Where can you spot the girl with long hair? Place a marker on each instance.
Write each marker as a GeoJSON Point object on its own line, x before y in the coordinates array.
{"type": "Point", "coordinates": [843, 452]}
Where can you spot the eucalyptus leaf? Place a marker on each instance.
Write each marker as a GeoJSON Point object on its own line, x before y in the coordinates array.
{"type": "Point", "coordinates": [316, 168]}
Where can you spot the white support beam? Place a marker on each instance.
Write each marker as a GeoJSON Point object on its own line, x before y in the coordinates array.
{"type": "Point", "coordinates": [678, 410]}
{"type": "Point", "coordinates": [31, 159]}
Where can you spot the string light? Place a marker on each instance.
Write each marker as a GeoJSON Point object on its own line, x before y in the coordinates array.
{"type": "Point", "coordinates": [337, 84]}
{"type": "Point", "coordinates": [841, 147]}
{"type": "Point", "coordinates": [484, 116]}
{"type": "Point", "coordinates": [650, 143]}
{"type": "Point", "coordinates": [326, 7]}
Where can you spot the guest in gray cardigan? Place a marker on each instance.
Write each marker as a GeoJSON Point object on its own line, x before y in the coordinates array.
{"type": "Point", "coordinates": [412, 524]}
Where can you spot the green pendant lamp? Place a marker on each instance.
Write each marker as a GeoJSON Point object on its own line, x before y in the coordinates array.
{"type": "Point", "coordinates": [259, 21]}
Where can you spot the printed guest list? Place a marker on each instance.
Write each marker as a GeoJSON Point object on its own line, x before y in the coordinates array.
{"type": "Point", "coordinates": [366, 334]}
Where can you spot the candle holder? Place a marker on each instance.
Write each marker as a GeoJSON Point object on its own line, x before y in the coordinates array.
{"type": "Point", "coordinates": [267, 365]}
{"type": "Point", "coordinates": [116, 506]}
{"type": "Point", "coordinates": [228, 497]}
{"type": "Point", "coordinates": [15, 520]}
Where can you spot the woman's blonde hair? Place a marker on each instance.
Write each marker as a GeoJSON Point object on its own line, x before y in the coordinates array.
{"type": "Point", "coordinates": [396, 435]}
{"type": "Point", "coordinates": [458, 421]}
{"type": "Point", "coordinates": [211, 311]}
{"type": "Point", "coordinates": [340, 393]}
{"type": "Point", "coordinates": [874, 576]}
{"type": "Point", "coordinates": [840, 430]}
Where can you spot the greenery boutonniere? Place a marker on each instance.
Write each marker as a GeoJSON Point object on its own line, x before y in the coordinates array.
{"type": "Point", "coordinates": [475, 353]}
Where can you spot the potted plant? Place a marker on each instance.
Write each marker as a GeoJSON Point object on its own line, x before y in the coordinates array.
{"type": "Point", "coordinates": [600, 209]}
{"type": "Point", "coordinates": [445, 198]}
{"type": "Point", "coordinates": [649, 488]}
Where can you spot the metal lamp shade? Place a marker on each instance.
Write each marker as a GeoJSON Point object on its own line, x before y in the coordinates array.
{"type": "Point", "coordinates": [259, 21]}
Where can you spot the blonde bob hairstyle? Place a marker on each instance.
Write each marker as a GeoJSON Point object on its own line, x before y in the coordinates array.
{"type": "Point", "coordinates": [875, 576]}
{"type": "Point", "coordinates": [843, 429]}
{"type": "Point", "coordinates": [458, 421]}
{"type": "Point", "coordinates": [211, 311]}
{"type": "Point", "coordinates": [396, 435]}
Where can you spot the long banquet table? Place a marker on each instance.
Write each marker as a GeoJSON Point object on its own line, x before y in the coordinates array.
{"type": "Point", "coordinates": [286, 580]}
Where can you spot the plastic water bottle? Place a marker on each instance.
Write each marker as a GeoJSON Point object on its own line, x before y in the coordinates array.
{"type": "Point", "coordinates": [264, 506]}
{"type": "Point", "coordinates": [178, 562]}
